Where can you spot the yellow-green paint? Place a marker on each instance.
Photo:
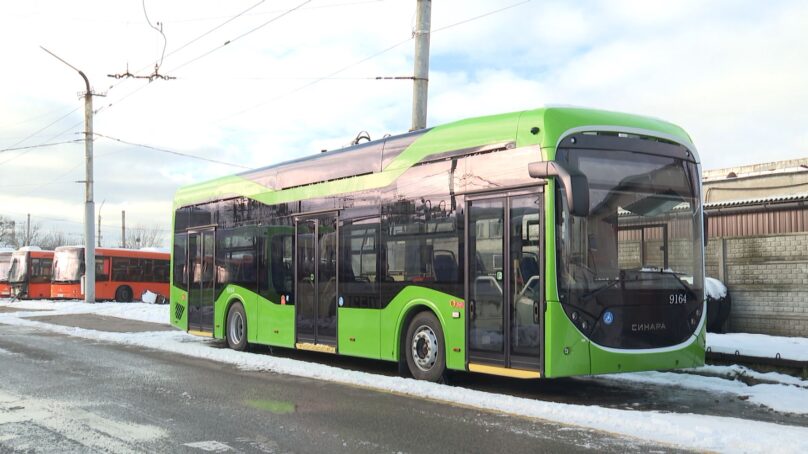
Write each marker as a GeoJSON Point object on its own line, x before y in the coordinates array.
{"type": "Point", "coordinates": [358, 332]}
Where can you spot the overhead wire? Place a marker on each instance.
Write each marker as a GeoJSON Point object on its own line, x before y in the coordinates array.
{"type": "Point", "coordinates": [286, 12]}
{"type": "Point", "coordinates": [359, 62]}
{"type": "Point", "coordinates": [177, 153]}
{"type": "Point", "coordinates": [160, 31]}
{"type": "Point", "coordinates": [41, 145]}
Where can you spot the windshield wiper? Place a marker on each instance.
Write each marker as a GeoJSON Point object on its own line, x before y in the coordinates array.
{"type": "Point", "coordinates": [671, 273]}
{"type": "Point", "coordinates": [598, 290]}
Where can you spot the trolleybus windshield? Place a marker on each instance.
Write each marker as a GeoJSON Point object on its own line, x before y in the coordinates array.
{"type": "Point", "coordinates": [630, 270]}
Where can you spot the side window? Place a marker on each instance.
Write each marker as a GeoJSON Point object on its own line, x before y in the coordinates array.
{"type": "Point", "coordinates": [178, 257]}
{"type": "Point", "coordinates": [281, 269]}
{"type": "Point", "coordinates": [41, 270]}
{"type": "Point", "coordinates": [101, 269]}
{"type": "Point", "coordinates": [421, 245]}
{"type": "Point", "coordinates": [161, 268]}
{"type": "Point", "coordinates": [359, 272]}
{"type": "Point", "coordinates": [236, 258]}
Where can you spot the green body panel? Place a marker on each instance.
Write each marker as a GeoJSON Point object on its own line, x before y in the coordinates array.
{"type": "Point", "coordinates": [178, 297]}
{"type": "Point", "coordinates": [276, 324]}
{"type": "Point", "coordinates": [692, 355]}
{"type": "Point", "coordinates": [413, 298]}
{"type": "Point", "coordinates": [264, 318]}
{"type": "Point", "coordinates": [358, 332]}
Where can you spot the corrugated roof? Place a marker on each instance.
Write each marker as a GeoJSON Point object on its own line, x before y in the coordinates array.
{"type": "Point", "coordinates": [758, 201]}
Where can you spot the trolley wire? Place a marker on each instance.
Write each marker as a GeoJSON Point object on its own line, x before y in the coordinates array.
{"type": "Point", "coordinates": [177, 153]}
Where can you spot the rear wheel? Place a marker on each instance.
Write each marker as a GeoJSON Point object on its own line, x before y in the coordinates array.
{"type": "Point", "coordinates": [236, 327]}
{"type": "Point", "coordinates": [425, 348]}
{"type": "Point", "coordinates": [123, 294]}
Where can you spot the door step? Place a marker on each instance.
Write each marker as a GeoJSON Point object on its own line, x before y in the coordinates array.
{"type": "Point", "coordinates": [323, 348]}
{"type": "Point", "coordinates": [196, 332]}
{"type": "Point", "coordinates": [503, 371]}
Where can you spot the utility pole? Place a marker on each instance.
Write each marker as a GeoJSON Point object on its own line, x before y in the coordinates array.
{"type": "Point", "coordinates": [89, 205]}
{"type": "Point", "coordinates": [99, 222]}
{"type": "Point", "coordinates": [28, 230]}
{"type": "Point", "coordinates": [123, 229]}
{"type": "Point", "coordinates": [420, 82]}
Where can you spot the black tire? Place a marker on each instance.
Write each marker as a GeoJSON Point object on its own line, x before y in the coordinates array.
{"type": "Point", "coordinates": [236, 328]}
{"type": "Point", "coordinates": [425, 348]}
{"type": "Point", "coordinates": [123, 294]}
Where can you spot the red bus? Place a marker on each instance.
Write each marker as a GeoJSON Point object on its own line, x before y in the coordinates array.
{"type": "Point", "coordinates": [120, 274]}
{"type": "Point", "coordinates": [29, 275]}
{"type": "Point", "coordinates": [5, 265]}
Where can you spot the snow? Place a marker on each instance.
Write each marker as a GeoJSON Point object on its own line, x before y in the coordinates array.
{"type": "Point", "coordinates": [700, 432]}
{"type": "Point", "coordinates": [154, 249]}
{"type": "Point", "coordinates": [6, 249]}
{"type": "Point", "coordinates": [759, 345]}
{"type": "Point", "coordinates": [779, 396]}
{"type": "Point", "coordinates": [149, 297]}
{"type": "Point", "coordinates": [30, 248]}
{"type": "Point", "coordinates": [714, 288]}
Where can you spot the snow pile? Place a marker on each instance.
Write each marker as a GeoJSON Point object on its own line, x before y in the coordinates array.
{"type": "Point", "coordinates": [760, 345]}
{"type": "Point", "coordinates": [133, 311]}
{"type": "Point", "coordinates": [783, 395]}
{"type": "Point", "coordinates": [715, 289]}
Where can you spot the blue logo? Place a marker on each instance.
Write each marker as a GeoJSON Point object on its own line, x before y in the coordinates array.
{"type": "Point", "coordinates": [608, 317]}
{"type": "Point", "coordinates": [341, 302]}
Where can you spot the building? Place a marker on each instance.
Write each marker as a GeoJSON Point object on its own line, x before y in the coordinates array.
{"type": "Point", "coordinates": [758, 244]}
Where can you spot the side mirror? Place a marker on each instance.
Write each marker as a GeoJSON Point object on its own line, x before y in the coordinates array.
{"type": "Point", "coordinates": [576, 185]}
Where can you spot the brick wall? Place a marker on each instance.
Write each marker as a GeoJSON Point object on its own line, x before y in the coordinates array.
{"type": "Point", "coordinates": [768, 280]}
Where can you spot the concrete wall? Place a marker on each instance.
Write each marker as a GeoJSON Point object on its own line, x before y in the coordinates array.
{"type": "Point", "coordinates": [767, 277]}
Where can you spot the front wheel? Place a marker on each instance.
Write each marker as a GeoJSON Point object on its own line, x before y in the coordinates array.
{"type": "Point", "coordinates": [425, 348]}
{"type": "Point", "coordinates": [236, 327]}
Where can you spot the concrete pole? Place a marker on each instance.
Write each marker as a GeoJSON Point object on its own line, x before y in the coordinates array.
{"type": "Point", "coordinates": [89, 206]}
{"type": "Point", "coordinates": [123, 229]}
{"type": "Point", "coordinates": [28, 230]}
{"type": "Point", "coordinates": [420, 83]}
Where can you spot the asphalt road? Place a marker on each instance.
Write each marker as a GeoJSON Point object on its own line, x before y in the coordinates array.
{"type": "Point", "coordinates": [64, 394]}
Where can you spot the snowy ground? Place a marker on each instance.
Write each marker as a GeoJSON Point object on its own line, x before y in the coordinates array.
{"type": "Point", "coordinates": [777, 391]}
{"type": "Point", "coordinates": [759, 345]}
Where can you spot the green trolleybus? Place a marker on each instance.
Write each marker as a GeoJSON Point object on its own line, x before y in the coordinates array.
{"type": "Point", "coordinates": [545, 243]}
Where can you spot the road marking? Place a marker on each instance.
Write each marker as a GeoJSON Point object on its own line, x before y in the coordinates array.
{"type": "Point", "coordinates": [210, 446]}
{"type": "Point", "coordinates": [90, 430]}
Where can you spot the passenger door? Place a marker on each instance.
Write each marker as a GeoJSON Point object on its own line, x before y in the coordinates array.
{"type": "Point", "coordinates": [316, 279]}
{"type": "Point", "coordinates": [202, 280]}
{"type": "Point", "coordinates": [504, 287]}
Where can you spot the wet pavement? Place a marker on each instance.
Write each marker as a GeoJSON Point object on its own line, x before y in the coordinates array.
{"type": "Point", "coordinates": [599, 391]}
{"type": "Point", "coordinates": [66, 394]}
{"type": "Point", "coordinates": [102, 323]}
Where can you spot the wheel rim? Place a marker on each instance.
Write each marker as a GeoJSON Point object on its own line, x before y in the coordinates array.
{"type": "Point", "coordinates": [236, 328]}
{"type": "Point", "coordinates": [424, 348]}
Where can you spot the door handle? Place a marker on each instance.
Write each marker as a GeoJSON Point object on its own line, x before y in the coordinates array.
{"type": "Point", "coordinates": [472, 310]}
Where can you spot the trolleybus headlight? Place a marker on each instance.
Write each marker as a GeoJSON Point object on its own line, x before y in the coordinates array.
{"type": "Point", "coordinates": [575, 316]}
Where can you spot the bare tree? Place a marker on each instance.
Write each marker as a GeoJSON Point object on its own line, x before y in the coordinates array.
{"type": "Point", "coordinates": [53, 239]}
{"type": "Point", "coordinates": [7, 234]}
{"type": "Point", "coordinates": [141, 236]}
